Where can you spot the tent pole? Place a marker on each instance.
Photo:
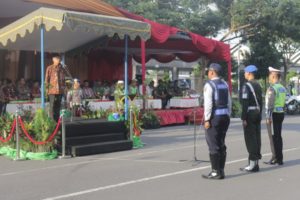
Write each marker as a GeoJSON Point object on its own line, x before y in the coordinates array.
{"type": "Point", "coordinates": [229, 64]}
{"type": "Point", "coordinates": [126, 76]}
{"type": "Point", "coordinates": [143, 56]}
{"type": "Point", "coordinates": [42, 30]}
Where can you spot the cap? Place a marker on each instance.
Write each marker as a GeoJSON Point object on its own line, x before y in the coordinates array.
{"type": "Point", "coordinates": [271, 69]}
{"type": "Point", "coordinates": [250, 68]}
{"type": "Point", "coordinates": [76, 80]}
{"type": "Point", "coordinates": [120, 82]}
{"type": "Point", "coordinates": [215, 66]}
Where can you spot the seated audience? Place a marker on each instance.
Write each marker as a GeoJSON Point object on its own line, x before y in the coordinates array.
{"type": "Point", "coordinates": [87, 91]}
{"type": "Point", "coordinates": [133, 90]}
{"type": "Point", "coordinates": [23, 90]}
{"type": "Point", "coordinates": [98, 89]}
{"type": "Point", "coordinates": [36, 90]}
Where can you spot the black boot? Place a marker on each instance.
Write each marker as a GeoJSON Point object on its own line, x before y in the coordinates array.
{"type": "Point", "coordinates": [252, 167]}
{"type": "Point", "coordinates": [222, 164]}
{"type": "Point", "coordinates": [215, 165]}
{"type": "Point", "coordinates": [272, 161]}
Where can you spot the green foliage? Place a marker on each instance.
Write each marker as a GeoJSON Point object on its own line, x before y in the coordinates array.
{"type": "Point", "coordinates": [150, 120]}
{"type": "Point", "coordinates": [40, 128]}
{"type": "Point", "coordinates": [271, 28]}
{"type": "Point", "coordinates": [166, 78]}
{"type": "Point", "coordinates": [236, 108]}
{"type": "Point", "coordinates": [290, 75]}
{"type": "Point", "coordinates": [197, 70]}
{"type": "Point", "coordinates": [42, 125]}
{"type": "Point", "coordinates": [195, 16]}
{"type": "Point", "coordinates": [6, 122]}
{"type": "Point", "coordinates": [263, 54]}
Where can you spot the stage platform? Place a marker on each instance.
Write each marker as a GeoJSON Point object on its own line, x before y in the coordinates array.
{"type": "Point", "coordinates": [87, 137]}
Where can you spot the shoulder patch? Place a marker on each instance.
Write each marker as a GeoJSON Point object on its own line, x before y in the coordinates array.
{"type": "Point", "coordinates": [244, 92]}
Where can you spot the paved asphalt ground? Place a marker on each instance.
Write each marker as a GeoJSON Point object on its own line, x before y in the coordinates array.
{"type": "Point", "coordinates": [163, 170]}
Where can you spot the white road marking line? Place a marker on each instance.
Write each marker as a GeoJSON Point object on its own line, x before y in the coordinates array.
{"type": "Point", "coordinates": [149, 178]}
{"type": "Point", "coordinates": [104, 159]}
{"type": "Point", "coordinates": [151, 161]}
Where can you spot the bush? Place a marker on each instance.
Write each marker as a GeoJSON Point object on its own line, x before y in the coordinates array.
{"type": "Point", "coordinates": [236, 108]}
{"type": "Point", "coordinates": [150, 120]}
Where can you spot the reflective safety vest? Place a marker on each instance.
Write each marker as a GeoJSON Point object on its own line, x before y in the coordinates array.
{"type": "Point", "coordinates": [220, 100]}
{"type": "Point", "coordinates": [280, 94]}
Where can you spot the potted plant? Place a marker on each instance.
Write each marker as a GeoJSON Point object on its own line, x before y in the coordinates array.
{"type": "Point", "coordinates": [150, 120]}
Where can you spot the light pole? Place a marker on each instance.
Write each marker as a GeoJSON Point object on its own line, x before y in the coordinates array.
{"type": "Point", "coordinates": [238, 70]}
{"type": "Point", "coordinates": [297, 88]}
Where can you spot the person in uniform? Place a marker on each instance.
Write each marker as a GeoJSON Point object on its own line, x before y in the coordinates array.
{"type": "Point", "coordinates": [217, 110]}
{"type": "Point", "coordinates": [251, 116]}
{"type": "Point", "coordinates": [275, 102]}
{"type": "Point", "coordinates": [161, 92]}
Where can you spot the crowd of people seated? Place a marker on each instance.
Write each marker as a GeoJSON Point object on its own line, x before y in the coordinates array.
{"type": "Point", "coordinates": [104, 90]}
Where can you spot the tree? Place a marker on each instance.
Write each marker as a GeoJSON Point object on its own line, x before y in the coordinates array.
{"type": "Point", "coordinates": [270, 27]}
{"type": "Point", "coordinates": [191, 15]}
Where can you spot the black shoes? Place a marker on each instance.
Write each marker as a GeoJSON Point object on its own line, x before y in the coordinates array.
{"type": "Point", "coordinates": [222, 173]}
{"type": "Point", "coordinates": [274, 162]}
{"type": "Point", "coordinates": [213, 175]}
{"type": "Point", "coordinates": [252, 167]}
{"type": "Point", "coordinates": [217, 165]}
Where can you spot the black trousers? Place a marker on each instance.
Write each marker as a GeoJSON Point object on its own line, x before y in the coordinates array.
{"type": "Point", "coordinates": [277, 139]}
{"type": "Point", "coordinates": [55, 103]}
{"type": "Point", "coordinates": [252, 134]}
{"type": "Point", "coordinates": [3, 108]}
{"type": "Point", "coordinates": [215, 135]}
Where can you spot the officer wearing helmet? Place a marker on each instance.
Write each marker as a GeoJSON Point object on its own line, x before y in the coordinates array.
{"type": "Point", "coordinates": [275, 102]}
{"type": "Point", "coordinates": [251, 116]}
{"type": "Point", "coordinates": [217, 110]}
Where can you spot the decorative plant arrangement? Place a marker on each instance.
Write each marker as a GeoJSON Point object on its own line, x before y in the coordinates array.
{"type": "Point", "coordinates": [136, 126]}
{"type": "Point", "coordinates": [88, 113]}
{"type": "Point", "coordinates": [149, 120]}
{"type": "Point", "coordinates": [37, 133]}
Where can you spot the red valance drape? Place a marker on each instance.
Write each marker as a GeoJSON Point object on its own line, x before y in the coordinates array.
{"type": "Point", "coordinates": [160, 33]}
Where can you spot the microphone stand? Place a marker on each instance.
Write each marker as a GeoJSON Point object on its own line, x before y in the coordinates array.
{"type": "Point", "coordinates": [66, 68]}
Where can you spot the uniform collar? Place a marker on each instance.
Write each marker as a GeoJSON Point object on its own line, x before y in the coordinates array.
{"type": "Point", "coordinates": [215, 78]}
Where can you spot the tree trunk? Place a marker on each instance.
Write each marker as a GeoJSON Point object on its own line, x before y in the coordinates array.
{"type": "Point", "coordinates": [203, 64]}
{"type": "Point", "coordinates": [284, 71]}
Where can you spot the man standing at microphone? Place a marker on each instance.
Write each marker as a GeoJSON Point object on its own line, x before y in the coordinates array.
{"type": "Point", "coordinates": [55, 83]}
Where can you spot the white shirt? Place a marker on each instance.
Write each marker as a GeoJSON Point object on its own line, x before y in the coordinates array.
{"type": "Point", "coordinates": [148, 90]}
{"type": "Point", "coordinates": [208, 100]}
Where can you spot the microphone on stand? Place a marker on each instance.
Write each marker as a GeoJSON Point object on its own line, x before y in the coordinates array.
{"type": "Point", "coordinates": [66, 68]}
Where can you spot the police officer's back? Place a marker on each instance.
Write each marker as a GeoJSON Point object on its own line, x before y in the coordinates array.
{"type": "Point", "coordinates": [217, 109]}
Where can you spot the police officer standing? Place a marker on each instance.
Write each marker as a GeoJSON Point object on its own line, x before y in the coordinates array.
{"type": "Point", "coordinates": [217, 109]}
{"type": "Point", "coordinates": [275, 102]}
{"type": "Point", "coordinates": [251, 117]}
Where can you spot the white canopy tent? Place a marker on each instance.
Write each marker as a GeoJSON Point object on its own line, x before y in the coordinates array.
{"type": "Point", "coordinates": [59, 31]}
{"type": "Point", "coordinates": [66, 30]}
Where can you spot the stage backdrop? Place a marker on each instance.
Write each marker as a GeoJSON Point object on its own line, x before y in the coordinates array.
{"type": "Point", "coordinates": [107, 65]}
